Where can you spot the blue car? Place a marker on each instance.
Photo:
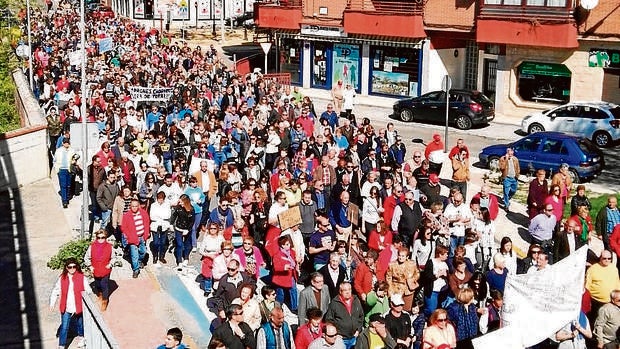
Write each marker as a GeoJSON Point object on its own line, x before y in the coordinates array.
{"type": "Point", "coordinates": [548, 150]}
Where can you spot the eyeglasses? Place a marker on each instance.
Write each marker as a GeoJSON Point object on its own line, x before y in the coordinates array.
{"type": "Point", "coordinates": [324, 225]}
{"type": "Point", "coordinates": [331, 335]}
{"type": "Point", "coordinates": [102, 237]}
{"type": "Point", "coordinates": [417, 157]}
{"type": "Point", "coordinates": [535, 251]}
{"type": "Point", "coordinates": [606, 258]}
{"type": "Point", "coordinates": [71, 266]}
{"type": "Point", "coordinates": [232, 269]}
{"type": "Point", "coordinates": [349, 166]}
{"type": "Point", "coordinates": [247, 243]}
{"type": "Point", "coordinates": [442, 320]}
{"type": "Point", "coordinates": [241, 313]}
{"type": "Point", "coordinates": [548, 209]}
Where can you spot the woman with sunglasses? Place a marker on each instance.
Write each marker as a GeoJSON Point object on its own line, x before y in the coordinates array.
{"type": "Point", "coordinates": [99, 258]}
{"type": "Point", "coordinates": [69, 288]}
{"type": "Point", "coordinates": [440, 334]}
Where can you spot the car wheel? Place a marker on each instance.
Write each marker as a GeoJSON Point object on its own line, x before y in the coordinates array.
{"type": "Point", "coordinates": [493, 163]}
{"type": "Point", "coordinates": [601, 138]}
{"type": "Point", "coordinates": [535, 127]}
{"type": "Point", "coordinates": [406, 115]}
{"type": "Point", "coordinates": [463, 122]}
{"type": "Point", "coordinates": [574, 176]}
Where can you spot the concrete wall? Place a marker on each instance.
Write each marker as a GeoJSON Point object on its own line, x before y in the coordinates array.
{"type": "Point", "coordinates": [587, 84]}
{"type": "Point", "coordinates": [23, 152]}
{"type": "Point", "coordinates": [442, 62]}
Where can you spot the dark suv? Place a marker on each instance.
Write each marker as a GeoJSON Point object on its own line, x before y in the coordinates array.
{"type": "Point", "coordinates": [467, 108]}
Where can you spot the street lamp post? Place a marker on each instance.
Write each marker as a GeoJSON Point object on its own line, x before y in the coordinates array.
{"type": "Point", "coordinates": [196, 13]}
{"type": "Point", "coordinates": [30, 73]}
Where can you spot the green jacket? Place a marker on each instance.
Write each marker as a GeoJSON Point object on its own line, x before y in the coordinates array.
{"type": "Point", "coordinates": [363, 340]}
{"type": "Point", "coordinates": [376, 305]}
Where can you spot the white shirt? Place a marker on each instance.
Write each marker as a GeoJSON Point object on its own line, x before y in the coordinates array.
{"type": "Point", "coordinates": [70, 307]}
{"type": "Point", "coordinates": [451, 211]}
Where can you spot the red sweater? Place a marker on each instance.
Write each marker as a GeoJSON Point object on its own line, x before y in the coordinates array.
{"type": "Point", "coordinates": [78, 287]}
{"type": "Point", "coordinates": [374, 242]}
{"type": "Point", "coordinates": [282, 277]}
{"type": "Point", "coordinates": [363, 279]}
{"type": "Point", "coordinates": [493, 204]}
{"type": "Point", "coordinates": [101, 255]}
{"type": "Point", "coordinates": [128, 226]}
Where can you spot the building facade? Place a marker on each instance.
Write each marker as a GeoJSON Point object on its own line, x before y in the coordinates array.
{"type": "Point", "coordinates": [527, 55]}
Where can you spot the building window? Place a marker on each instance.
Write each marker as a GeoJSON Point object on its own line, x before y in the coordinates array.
{"type": "Point", "coordinates": [471, 65]}
{"type": "Point", "coordinates": [320, 58]}
{"type": "Point", "coordinates": [290, 59]}
{"type": "Point", "coordinates": [395, 70]}
{"type": "Point", "coordinates": [544, 82]}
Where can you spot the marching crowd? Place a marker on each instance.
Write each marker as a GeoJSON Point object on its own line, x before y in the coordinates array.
{"type": "Point", "coordinates": [276, 196]}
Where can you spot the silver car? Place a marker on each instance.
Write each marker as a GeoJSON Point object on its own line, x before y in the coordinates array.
{"type": "Point", "coordinates": [598, 121]}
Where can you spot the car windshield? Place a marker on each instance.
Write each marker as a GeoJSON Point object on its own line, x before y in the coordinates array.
{"type": "Point", "coordinates": [615, 112]}
{"type": "Point", "coordinates": [480, 98]}
{"type": "Point", "coordinates": [587, 147]}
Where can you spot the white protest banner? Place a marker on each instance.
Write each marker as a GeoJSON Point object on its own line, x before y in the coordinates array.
{"type": "Point", "coordinates": [105, 45]}
{"type": "Point", "coordinates": [538, 304]}
{"type": "Point", "coordinates": [150, 93]}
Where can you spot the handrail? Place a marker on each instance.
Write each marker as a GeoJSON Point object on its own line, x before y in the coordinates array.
{"type": "Point", "coordinates": [387, 6]}
{"type": "Point", "coordinates": [96, 332]}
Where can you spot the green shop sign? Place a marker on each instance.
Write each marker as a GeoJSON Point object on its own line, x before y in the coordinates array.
{"type": "Point", "coordinates": [546, 69]}
{"type": "Point", "coordinates": [604, 58]}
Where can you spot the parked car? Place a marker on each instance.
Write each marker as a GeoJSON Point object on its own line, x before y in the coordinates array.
{"type": "Point", "coordinates": [598, 121]}
{"type": "Point", "coordinates": [548, 150]}
{"type": "Point", "coordinates": [467, 108]}
{"type": "Point", "coordinates": [239, 20]}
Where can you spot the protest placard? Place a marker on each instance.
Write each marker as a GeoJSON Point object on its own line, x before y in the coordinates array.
{"type": "Point", "coordinates": [289, 218]}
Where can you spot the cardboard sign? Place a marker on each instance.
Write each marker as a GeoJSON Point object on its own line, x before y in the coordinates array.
{"type": "Point", "coordinates": [353, 214]}
{"type": "Point", "coordinates": [289, 218]}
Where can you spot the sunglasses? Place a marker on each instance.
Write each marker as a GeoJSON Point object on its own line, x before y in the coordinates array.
{"type": "Point", "coordinates": [232, 269]}
{"type": "Point", "coordinates": [331, 335]}
{"type": "Point", "coordinates": [442, 320]}
{"type": "Point", "coordinates": [606, 258]}
{"type": "Point", "coordinates": [101, 237]}
{"type": "Point", "coordinates": [71, 266]}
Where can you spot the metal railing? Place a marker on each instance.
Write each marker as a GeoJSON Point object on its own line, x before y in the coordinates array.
{"type": "Point", "coordinates": [96, 332]}
{"type": "Point", "coordinates": [411, 6]}
{"type": "Point", "coordinates": [525, 12]}
{"type": "Point", "coordinates": [281, 3]}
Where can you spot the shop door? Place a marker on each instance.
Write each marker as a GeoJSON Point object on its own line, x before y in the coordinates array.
{"type": "Point", "coordinates": [489, 79]}
{"type": "Point", "coordinates": [148, 9]}
{"type": "Point", "coordinates": [321, 67]}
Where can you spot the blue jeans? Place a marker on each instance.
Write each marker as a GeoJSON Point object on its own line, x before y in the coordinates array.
{"type": "Point", "coordinates": [168, 165]}
{"type": "Point", "coordinates": [197, 220]}
{"type": "Point", "coordinates": [183, 246]}
{"type": "Point", "coordinates": [454, 242]}
{"type": "Point", "coordinates": [64, 180]}
{"type": "Point", "coordinates": [65, 321]}
{"type": "Point", "coordinates": [207, 284]}
{"type": "Point", "coordinates": [105, 218]}
{"type": "Point", "coordinates": [510, 188]}
{"type": "Point", "coordinates": [102, 285]}
{"type": "Point", "coordinates": [431, 303]}
{"type": "Point", "coordinates": [349, 342]}
{"type": "Point", "coordinates": [95, 210]}
{"type": "Point", "coordinates": [159, 244]}
{"type": "Point", "coordinates": [137, 253]}
{"type": "Point", "coordinates": [290, 298]}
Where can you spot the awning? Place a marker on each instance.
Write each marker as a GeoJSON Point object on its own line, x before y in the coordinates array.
{"type": "Point", "coordinates": [357, 39]}
{"type": "Point", "coordinates": [546, 69]}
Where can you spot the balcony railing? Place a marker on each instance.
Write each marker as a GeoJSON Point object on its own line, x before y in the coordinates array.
{"type": "Point", "coordinates": [525, 10]}
{"type": "Point", "coordinates": [281, 3]}
{"type": "Point", "coordinates": [401, 7]}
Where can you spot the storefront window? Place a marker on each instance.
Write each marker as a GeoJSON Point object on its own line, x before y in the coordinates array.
{"type": "Point", "coordinates": [290, 59]}
{"type": "Point", "coordinates": [346, 64]}
{"type": "Point", "coordinates": [320, 56]}
{"type": "Point", "coordinates": [544, 82]}
{"type": "Point", "coordinates": [395, 71]}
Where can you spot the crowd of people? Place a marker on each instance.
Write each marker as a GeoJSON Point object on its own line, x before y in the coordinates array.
{"type": "Point", "coordinates": [382, 257]}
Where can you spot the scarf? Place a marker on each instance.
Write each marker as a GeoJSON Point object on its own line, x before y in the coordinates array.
{"type": "Point", "coordinates": [287, 255]}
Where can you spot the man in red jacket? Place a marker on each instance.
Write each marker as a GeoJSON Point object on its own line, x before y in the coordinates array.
{"type": "Point", "coordinates": [488, 200]}
{"type": "Point", "coordinates": [135, 227]}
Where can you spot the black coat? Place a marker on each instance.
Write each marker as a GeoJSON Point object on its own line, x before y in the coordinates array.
{"type": "Point", "coordinates": [333, 288]}
{"type": "Point", "coordinates": [225, 334]}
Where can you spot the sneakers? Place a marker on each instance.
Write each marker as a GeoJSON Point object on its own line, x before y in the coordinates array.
{"type": "Point", "coordinates": [194, 250]}
{"type": "Point", "coordinates": [136, 273]}
{"type": "Point", "coordinates": [141, 265]}
{"type": "Point", "coordinates": [163, 260]}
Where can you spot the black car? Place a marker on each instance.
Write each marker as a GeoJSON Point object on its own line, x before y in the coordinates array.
{"type": "Point", "coordinates": [467, 108]}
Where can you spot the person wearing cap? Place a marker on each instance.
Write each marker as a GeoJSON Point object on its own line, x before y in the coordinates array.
{"type": "Point", "coordinates": [434, 153]}
{"type": "Point", "coordinates": [375, 335]}
{"type": "Point", "coordinates": [564, 180]}
{"type": "Point", "coordinates": [398, 321]}
{"type": "Point", "coordinates": [430, 191]}
{"type": "Point", "coordinates": [62, 166]}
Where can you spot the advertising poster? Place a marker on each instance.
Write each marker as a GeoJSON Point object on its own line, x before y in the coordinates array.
{"type": "Point", "coordinates": [138, 12]}
{"type": "Point", "coordinates": [249, 6]}
{"type": "Point", "coordinates": [390, 83]}
{"type": "Point", "coordinates": [182, 10]}
{"type": "Point", "coordinates": [345, 62]}
{"type": "Point", "coordinates": [237, 8]}
{"type": "Point", "coordinates": [217, 9]}
{"type": "Point", "coordinates": [204, 10]}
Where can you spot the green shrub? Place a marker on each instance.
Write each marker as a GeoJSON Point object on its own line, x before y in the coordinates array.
{"type": "Point", "coordinates": [74, 248]}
